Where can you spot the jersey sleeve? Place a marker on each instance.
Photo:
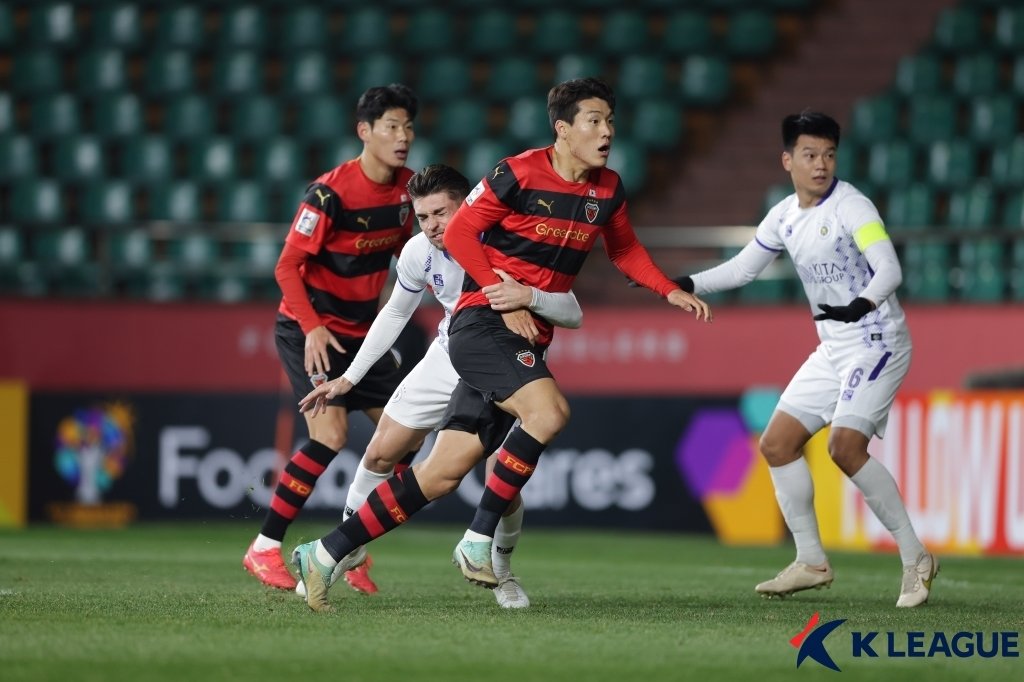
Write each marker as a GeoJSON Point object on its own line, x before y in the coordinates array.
{"type": "Point", "coordinates": [412, 264]}
{"type": "Point", "coordinates": [317, 214]}
{"type": "Point", "coordinates": [768, 235]}
{"type": "Point", "coordinates": [484, 208]}
{"type": "Point", "coordinates": [861, 219]}
{"type": "Point", "coordinates": [629, 255]}
{"type": "Point", "coordinates": [383, 333]}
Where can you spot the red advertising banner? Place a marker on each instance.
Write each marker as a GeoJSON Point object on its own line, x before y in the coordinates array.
{"type": "Point", "coordinates": [645, 351]}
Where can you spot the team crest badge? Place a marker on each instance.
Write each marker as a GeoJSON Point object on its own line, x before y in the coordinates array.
{"type": "Point", "coordinates": [403, 213]}
{"type": "Point", "coordinates": [592, 208]}
{"type": "Point", "coordinates": [526, 357]}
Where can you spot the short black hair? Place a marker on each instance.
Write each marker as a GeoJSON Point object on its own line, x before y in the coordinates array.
{"type": "Point", "coordinates": [807, 122]}
{"type": "Point", "coordinates": [436, 178]}
{"type": "Point", "coordinates": [564, 99]}
{"type": "Point", "coordinates": [377, 100]}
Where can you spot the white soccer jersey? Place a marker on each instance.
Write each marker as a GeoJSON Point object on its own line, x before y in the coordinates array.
{"type": "Point", "coordinates": [423, 265]}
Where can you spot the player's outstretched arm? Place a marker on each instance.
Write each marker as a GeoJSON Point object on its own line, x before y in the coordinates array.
{"type": "Point", "coordinates": [561, 309]}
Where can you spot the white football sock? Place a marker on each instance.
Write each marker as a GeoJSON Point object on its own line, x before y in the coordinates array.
{"type": "Point", "coordinates": [506, 537]}
{"type": "Point", "coordinates": [883, 497]}
{"type": "Point", "coordinates": [323, 556]}
{"type": "Point", "coordinates": [263, 543]}
{"type": "Point", "coordinates": [794, 490]}
{"type": "Point", "coordinates": [473, 536]}
{"type": "Point", "coordinates": [363, 483]}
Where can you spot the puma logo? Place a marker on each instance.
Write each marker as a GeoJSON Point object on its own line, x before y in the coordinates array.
{"type": "Point", "coordinates": [546, 204]}
{"type": "Point", "coordinates": [323, 197]}
{"type": "Point", "coordinates": [364, 221]}
{"type": "Point", "coordinates": [497, 172]}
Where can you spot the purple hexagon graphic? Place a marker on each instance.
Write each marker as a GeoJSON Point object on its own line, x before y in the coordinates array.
{"type": "Point", "coordinates": [716, 453]}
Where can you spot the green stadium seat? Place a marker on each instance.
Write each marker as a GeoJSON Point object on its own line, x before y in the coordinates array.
{"type": "Point", "coordinates": [188, 117]}
{"type": "Point", "coordinates": [430, 31]}
{"type": "Point", "coordinates": [1017, 78]}
{"type": "Point", "coordinates": [79, 158]}
{"type": "Point", "coordinates": [1016, 268]}
{"type": "Point", "coordinates": [1013, 211]}
{"type": "Point", "coordinates": [656, 123]}
{"type": "Point", "coordinates": [528, 122]}
{"type": "Point", "coordinates": [875, 118]}
{"type": "Point", "coordinates": [193, 252]}
{"type": "Point", "coordinates": [101, 71]}
{"type": "Point", "coordinates": [213, 159]}
{"type": "Point", "coordinates": [952, 163]}
{"type": "Point", "coordinates": [973, 208]}
{"type": "Point", "coordinates": [641, 77]}
{"type": "Point", "coordinates": [926, 272]}
{"type": "Point", "coordinates": [108, 202]}
{"type": "Point", "coordinates": [459, 122]}
{"type": "Point", "coordinates": [36, 201]}
{"type": "Point", "coordinates": [257, 255]}
{"type": "Point", "coordinates": [345, 148]}
{"type": "Point", "coordinates": [687, 31]}
{"type": "Point", "coordinates": [130, 250]}
{"type": "Point", "coordinates": [307, 73]}
{"type": "Point", "coordinates": [367, 29]}
{"type": "Point", "coordinates": [181, 26]}
{"type": "Point", "coordinates": [491, 31]}
{"type": "Point", "coordinates": [751, 33]}
{"type": "Point", "coordinates": [848, 160]}
{"type": "Point", "coordinates": [67, 247]}
{"type": "Point", "coordinates": [52, 24]}
{"type": "Point", "coordinates": [243, 27]}
{"type": "Point", "coordinates": [918, 74]}
{"type": "Point", "coordinates": [322, 118]}
{"type": "Point", "coordinates": [957, 30]}
{"type": "Point", "coordinates": [7, 31]}
{"type": "Point", "coordinates": [8, 116]}
{"type": "Point", "coordinates": [35, 72]}
{"type": "Point", "coordinates": [119, 115]}
{"type": "Point", "coordinates": [422, 153]}
{"type": "Point", "coordinates": [224, 287]}
{"type": "Point", "coordinates": [1009, 28]}
{"type": "Point", "coordinates": [238, 72]}
{"type": "Point", "coordinates": [570, 66]}
{"type": "Point", "coordinates": [305, 28]}
{"type": "Point", "coordinates": [705, 81]}
{"type": "Point", "coordinates": [55, 116]}
{"type": "Point", "coordinates": [931, 118]}
{"type": "Point", "coordinates": [169, 73]}
{"type": "Point", "coordinates": [629, 160]}
{"type": "Point", "coordinates": [375, 70]}
{"type": "Point", "coordinates": [12, 248]}
{"type": "Point", "coordinates": [118, 25]}
{"type": "Point", "coordinates": [556, 32]}
{"type": "Point", "coordinates": [483, 155]}
{"type": "Point", "coordinates": [279, 159]}
{"type": "Point", "coordinates": [148, 158]}
{"type": "Point", "coordinates": [772, 196]}
{"type": "Point", "coordinates": [984, 275]}
{"type": "Point", "coordinates": [911, 207]}
{"type": "Point", "coordinates": [512, 77]}
{"type": "Point", "coordinates": [993, 120]}
{"type": "Point", "coordinates": [19, 157]}
{"type": "Point", "coordinates": [624, 32]}
{"type": "Point", "coordinates": [161, 283]}
{"type": "Point", "coordinates": [243, 202]}
{"type": "Point", "coordinates": [255, 117]}
{"type": "Point", "coordinates": [976, 75]}
{"type": "Point", "coordinates": [177, 201]}
{"type": "Point", "coordinates": [443, 77]}
{"type": "Point", "coordinates": [1007, 165]}
{"type": "Point", "coordinates": [891, 164]}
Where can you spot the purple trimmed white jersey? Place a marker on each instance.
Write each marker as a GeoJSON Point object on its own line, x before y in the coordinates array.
{"type": "Point", "coordinates": [423, 265]}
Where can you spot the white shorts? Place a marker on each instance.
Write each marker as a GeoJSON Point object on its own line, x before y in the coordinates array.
{"type": "Point", "coordinates": [420, 400]}
{"type": "Point", "coordinates": [853, 389]}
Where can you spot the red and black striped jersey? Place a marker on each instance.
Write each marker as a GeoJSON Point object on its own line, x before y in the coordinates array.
{"type": "Point", "coordinates": [527, 220]}
{"type": "Point", "coordinates": [351, 226]}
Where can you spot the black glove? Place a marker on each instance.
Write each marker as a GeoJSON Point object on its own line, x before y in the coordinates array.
{"type": "Point", "coordinates": [858, 308]}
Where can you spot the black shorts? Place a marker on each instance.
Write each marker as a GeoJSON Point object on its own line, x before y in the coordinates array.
{"type": "Point", "coordinates": [374, 390]}
{"type": "Point", "coordinates": [491, 358]}
{"type": "Point", "coordinates": [470, 412]}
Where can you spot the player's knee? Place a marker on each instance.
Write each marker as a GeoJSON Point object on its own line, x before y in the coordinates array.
{"type": "Point", "coordinates": [775, 452]}
{"type": "Point", "coordinates": [377, 462]}
{"type": "Point", "coordinates": [544, 425]}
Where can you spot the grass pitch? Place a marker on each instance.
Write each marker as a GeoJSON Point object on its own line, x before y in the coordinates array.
{"type": "Point", "coordinates": [171, 602]}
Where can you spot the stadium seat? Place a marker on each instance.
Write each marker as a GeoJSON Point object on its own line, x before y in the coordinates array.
{"type": "Point", "coordinates": [178, 201]}
{"type": "Point", "coordinates": [307, 73]}
{"type": "Point", "coordinates": [875, 118]}
{"type": "Point", "coordinates": [193, 251]}
{"type": "Point", "coordinates": [570, 66]}
{"type": "Point", "coordinates": [101, 71]}
{"type": "Point", "coordinates": [976, 74]}
{"type": "Point", "coordinates": [443, 77]}
{"type": "Point", "coordinates": [188, 117]}
{"type": "Point", "coordinates": [55, 116]}
{"type": "Point", "coordinates": [118, 115]}
{"type": "Point", "coordinates": [430, 31]}
{"type": "Point", "coordinates": [687, 31]}
{"type": "Point", "coordinates": [1007, 164]}
{"type": "Point", "coordinates": [238, 72]}
{"type": "Point", "coordinates": [213, 159]}
{"type": "Point", "coordinates": [341, 149]}
{"type": "Point", "coordinates": [459, 122]}
{"type": "Point", "coordinates": [108, 202]}
{"type": "Point", "coordinates": [624, 32]}
{"type": "Point", "coordinates": [492, 31]}
{"type": "Point", "coordinates": [656, 123]}
{"type": "Point", "coordinates": [169, 73]}
{"type": "Point", "coordinates": [242, 27]}
{"type": "Point", "coordinates": [993, 120]}
{"type": "Point", "coordinates": [1009, 28]}
{"type": "Point", "coordinates": [52, 24]}
{"type": "Point", "coordinates": [304, 28]}
{"type": "Point", "coordinates": [848, 160]}
{"type": "Point", "coordinates": [984, 275]}
{"type": "Point", "coordinates": [918, 74]}
{"type": "Point", "coordinates": [1016, 268]}
{"type": "Point", "coordinates": [255, 117]}
{"type": "Point", "coordinates": [35, 72]}
{"type": "Point", "coordinates": [66, 247]}
{"type": "Point", "coordinates": [512, 77]}
{"type": "Point", "coordinates": [19, 157]}
{"type": "Point", "coordinates": [630, 161]}
{"type": "Point", "coordinates": [36, 201]}
{"type": "Point", "coordinates": [279, 159]}
{"type": "Point", "coordinates": [80, 157]}
{"type": "Point", "coordinates": [705, 81]}
{"type": "Point", "coordinates": [891, 164]}
{"type": "Point", "coordinates": [973, 207]}
{"type": "Point", "coordinates": [367, 29]}
{"type": "Point", "coordinates": [422, 153]}
{"type": "Point", "coordinates": [751, 33]}
{"type": "Point", "coordinates": [556, 32]}
{"type": "Point", "coordinates": [161, 282]}
{"type": "Point", "coordinates": [243, 202]}
{"type": "Point", "coordinates": [8, 116]}
{"type": "Point", "coordinates": [224, 287]}
{"type": "Point", "coordinates": [528, 122]}
{"type": "Point", "coordinates": [772, 196]}
{"type": "Point", "coordinates": [952, 163]}
{"type": "Point", "coordinates": [257, 255]}
{"type": "Point", "coordinates": [911, 207]}
{"type": "Point", "coordinates": [181, 26]}
{"type": "Point", "coordinates": [148, 158]}
{"type": "Point", "coordinates": [483, 155]}
{"type": "Point", "coordinates": [926, 271]}
{"type": "Point", "coordinates": [130, 249]}
{"type": "Point", "coordinates": [957, 30]}
{"type": "Point", "coordinates": [374, 70]}
{"type": "Point", "coordinates": [1013, 211]}
{"type": "Point", "coordinates": [12, 249]}
{"type": "Point", "coordinates": [1017, 78]}
{"type": "Point", "coordinates": [931, 118]}
{"type": "Point", "coordinates": [641, 77]}
{"type": "Point", "coordinates": [322, 117]}
{"type": "Point", "coordinates": [117, 25]}
{"type": "Point", "coordinates": [7, 31]}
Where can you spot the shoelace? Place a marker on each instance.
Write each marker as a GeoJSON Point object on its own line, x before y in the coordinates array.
{"type": "Point", "coordinates": [911, 580]}
{"type": "Point", "coordinates": [509, 587]}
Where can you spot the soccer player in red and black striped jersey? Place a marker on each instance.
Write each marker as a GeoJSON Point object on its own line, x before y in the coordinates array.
{"type": "Point", "coordinates": [535, 216]}
{"type": "Point", "coordinates": [351, 222]}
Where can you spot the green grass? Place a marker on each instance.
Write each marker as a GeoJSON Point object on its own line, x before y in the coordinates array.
{"type": "Point", "coordinates": [171, 602]}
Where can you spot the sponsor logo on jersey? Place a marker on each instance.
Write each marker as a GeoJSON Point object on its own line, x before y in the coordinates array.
{"type": "Point", "coordinates": [546, 230]}
{"type": "Point", "coordinates": [789, 230]}
{"type": "Point", "coordinates": [546, 204]}
{"type": "Point", "coordinates": [307, 222]}
{"type": "Point", "coordinates": [322, 196]}
{"type": "Point", "coordinates": [823, 230]}
{"type": "Point", "coordinates": [364, 221]}
{"type": "Point", "coordinates": [438, 281]}
{"type": "Point", "coordinates": [379, 242]}
{"type": "Point", "coordinates": [476, 192]}
{"type": "Point", "coordinates": [497, 172]}
{"type": "Point", "coordinates": [526, 357]}
{"type": "Point", "coordinates": [848, 394]}
{"type": "Point", "coordinates": [591, 208]}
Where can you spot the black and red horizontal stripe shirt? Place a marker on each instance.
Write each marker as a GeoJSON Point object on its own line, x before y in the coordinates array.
{"type": "Point", "coordinates": [527, 220]}
{"type": "Point", "coordinates": [351, 227]}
